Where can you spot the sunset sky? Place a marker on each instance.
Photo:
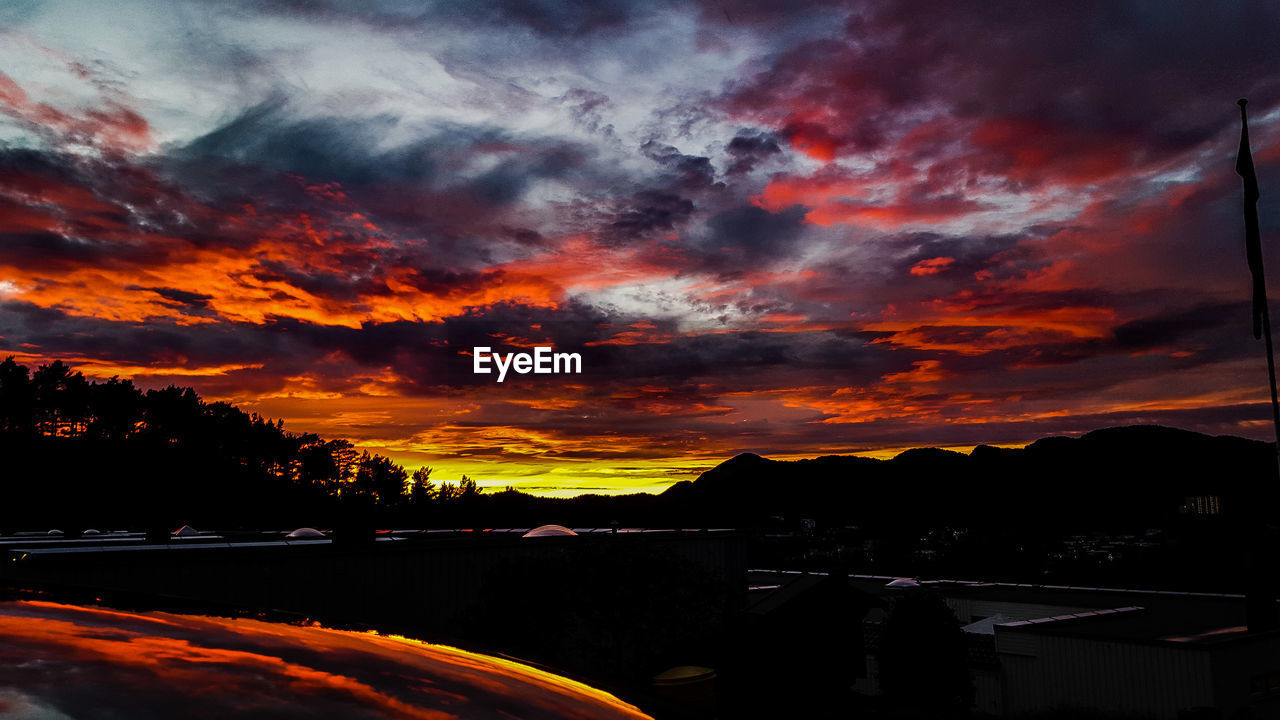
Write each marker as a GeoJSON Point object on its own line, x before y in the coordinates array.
{"type": "Point", "coordinates": [787, 228]}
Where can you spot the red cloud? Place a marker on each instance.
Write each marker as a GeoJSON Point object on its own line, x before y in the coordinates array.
{"type": "Point", "coordinates": [932, 266]}
{"type": "Point", "coordinates": [836, 197]}
{"type": "Point", "coordinates": [112, 128]}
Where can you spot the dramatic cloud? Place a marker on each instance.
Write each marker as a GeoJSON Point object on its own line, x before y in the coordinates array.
{"type": "Point", "coordinates": [848, 226]}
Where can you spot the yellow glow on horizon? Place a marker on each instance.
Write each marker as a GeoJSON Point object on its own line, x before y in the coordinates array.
{"type": "Point", "coordinates": [549, 478]}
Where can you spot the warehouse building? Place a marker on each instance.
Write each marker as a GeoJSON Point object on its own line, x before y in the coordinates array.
{"type": "Point", "coordinates": [1133, 653]}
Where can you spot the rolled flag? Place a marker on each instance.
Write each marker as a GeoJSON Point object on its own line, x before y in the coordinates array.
{"type": "Point", "coordinates": [1252, 240]}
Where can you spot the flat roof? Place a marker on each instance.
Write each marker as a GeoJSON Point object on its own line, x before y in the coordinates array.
{"type": "Point", "coordinates": [1138, 624]}
{"type": "Point", "coordinates": [1012, 591]}
{"type": "Point", "coordinates": [137, 542]}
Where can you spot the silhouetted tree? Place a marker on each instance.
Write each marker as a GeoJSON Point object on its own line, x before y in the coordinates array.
{"type": "Point", "coordinates": [421, 489]}
{"type": "Point", "coordinates": [61, 401]}
{"type": "Point", "coordinates": [76, 451]}
{"type": "Point", "coordinates": [171, 415]}
{"type": "Point", "coordinates": [17, 398]}
{"type": "Point", "coordinates": [468, 490]}
{"type": "Point", "coordinates": [116, 409]}
{"type": "Point", "coordinates": [381, 479]}
{"type": "Point", "coordinates": [447, 493]}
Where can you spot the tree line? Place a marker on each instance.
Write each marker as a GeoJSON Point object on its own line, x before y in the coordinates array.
{"type": "Point", "coordinates": [81, 450]}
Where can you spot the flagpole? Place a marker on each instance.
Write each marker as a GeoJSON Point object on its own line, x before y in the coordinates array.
{"type": "Point", "coordinates": [1253, 248]}
{"type": "Point", "coordinates": [1271, 374]}
{"type": "Point", "coordinates": [1261, 613]}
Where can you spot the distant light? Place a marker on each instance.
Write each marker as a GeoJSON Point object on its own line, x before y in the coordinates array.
{"type": "Point", "coordinates": [549, 531]}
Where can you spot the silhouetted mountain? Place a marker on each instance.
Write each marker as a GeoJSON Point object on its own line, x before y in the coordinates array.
{"type": "Point", "coordinates": [1117, 477]}
{"type": "Point", "coordinates": [81, 453]}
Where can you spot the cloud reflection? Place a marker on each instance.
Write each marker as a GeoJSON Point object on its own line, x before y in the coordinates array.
{"type": "Point", "coordinates": [61, 661]}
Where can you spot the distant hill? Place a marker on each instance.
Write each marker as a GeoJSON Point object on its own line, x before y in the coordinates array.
{"type": "Point", "coordinates": [1123, 476]}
